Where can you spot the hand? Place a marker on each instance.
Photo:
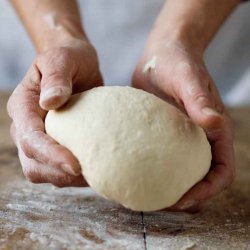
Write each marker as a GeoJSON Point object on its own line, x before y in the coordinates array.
{"type": "Point", "coordinates": [52, 78]}
{"type": "Point", "coordinates": [180, 77]}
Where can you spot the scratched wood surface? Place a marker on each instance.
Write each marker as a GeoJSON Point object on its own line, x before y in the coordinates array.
{"type": "Point", "coordinates": [44, 217]}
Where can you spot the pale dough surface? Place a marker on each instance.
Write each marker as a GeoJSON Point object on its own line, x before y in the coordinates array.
{"type": "Point", "coordinates": [134, 148]}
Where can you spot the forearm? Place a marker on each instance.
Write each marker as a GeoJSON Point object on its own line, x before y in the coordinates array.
{"type": "Point", "coordinates": [50, 23]}
{"type": "Point", "coordinates": [193, 22]}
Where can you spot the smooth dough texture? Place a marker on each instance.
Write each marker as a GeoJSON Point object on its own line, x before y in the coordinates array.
{"type": "Point", "coordinates": [134, 148]}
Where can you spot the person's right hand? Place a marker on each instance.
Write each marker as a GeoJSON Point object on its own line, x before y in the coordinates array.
{"type": "Point", "coordinates": [53, 76]}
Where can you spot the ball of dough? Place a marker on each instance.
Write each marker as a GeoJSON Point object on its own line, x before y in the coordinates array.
{"type": "Point", "coordinates": [134, 148]}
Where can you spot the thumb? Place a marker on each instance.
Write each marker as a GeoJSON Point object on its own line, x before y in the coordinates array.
{"type": "Point", "coordinates": [56, 88]}
{"type": "Point", "coordinates": [56, 78]}
{"type": "Point", "coordinates": [201, 106]}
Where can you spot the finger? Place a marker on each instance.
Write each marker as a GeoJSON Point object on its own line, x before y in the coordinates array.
{"type": "Point", "coordinates": [57, 73]}
{"type": "Point", "coordinates": [36, 172]}
{"type": "Point", "coordinates": [221, 174]}
{"type": "Point", "coordinates": [216, 181]}
{"type": "Point", "coordinates": [29, 118]}
{"type": "Point", "coordinates": [38, 145]}
{"type": "Point", "coordinates": [30, 87]}
{"type": "Point", "coordinates": [193, 209]}
{"type": "Point", "coordinates": [201, 105]}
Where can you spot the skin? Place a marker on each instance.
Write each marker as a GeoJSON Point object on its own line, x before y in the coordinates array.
{"type": "Point", "coordinates": [180, 77]}
{"type": "Point", "coordinates": [67, 63]}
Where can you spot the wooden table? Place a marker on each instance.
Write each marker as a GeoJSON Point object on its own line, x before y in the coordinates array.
{"type": "Point", "coordinates": [44, 217]}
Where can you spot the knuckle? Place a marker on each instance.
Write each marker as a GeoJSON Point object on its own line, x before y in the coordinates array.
{"type": "Point", "coordinates": [54, 77]}
{"type": "Point", "coordinates": [63, 181]}
{"type": "Point", "coordinates": [25, 146]}
{"type": "Point", "coordinates": [56, 57]}
{"type": "Point", "coordinates": [32, 175]}
{"type": "Point", "coordinates": [30, 143]}
{"type": "Point", "coordinates": [200, 97]}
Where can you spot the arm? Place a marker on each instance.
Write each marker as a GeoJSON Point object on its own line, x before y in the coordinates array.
{"type": "Point", "coordinates": [172, 67]}
{"type": "Point", "coordinates": [193, 22]}
{"type": "Point", "coordinates": [66, 63]}
{"type": "Point", "coordinates": [50, 23]}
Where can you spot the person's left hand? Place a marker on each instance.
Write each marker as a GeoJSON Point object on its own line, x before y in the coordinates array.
{"type": "Point", "coordinates": [179, 76]}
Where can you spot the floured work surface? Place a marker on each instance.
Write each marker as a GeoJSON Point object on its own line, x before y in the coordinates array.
{"type": "Point", "coordinates": [43, 217]}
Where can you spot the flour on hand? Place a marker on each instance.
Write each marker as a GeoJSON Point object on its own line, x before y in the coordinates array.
{"type": "Point", "coordinates": [151, 64]}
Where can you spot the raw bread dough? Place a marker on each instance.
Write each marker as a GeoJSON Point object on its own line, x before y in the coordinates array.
{"type": "Point", "coordinates": [134, 148]}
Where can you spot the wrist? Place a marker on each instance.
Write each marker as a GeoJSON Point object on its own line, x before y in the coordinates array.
{"type": "Point", "coordinates": [181, 37]}
{"type": "Point", "coordinates": [58, 31]}
{"type": "Point", "coordinates": [192, 24]}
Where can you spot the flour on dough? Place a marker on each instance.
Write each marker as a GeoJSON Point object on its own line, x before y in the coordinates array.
{"type": "Point", "coordinates": [134, 148]}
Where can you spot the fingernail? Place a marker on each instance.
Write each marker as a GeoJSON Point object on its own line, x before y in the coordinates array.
{"type": "Point", "coordinates": [210, 111]}
{"type": "Point", "coordinates": [70, 170]}
{"type": "Point", "coordinates": [187, 204]}
{"type": "Point", "coordinates": [55, 91]}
